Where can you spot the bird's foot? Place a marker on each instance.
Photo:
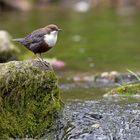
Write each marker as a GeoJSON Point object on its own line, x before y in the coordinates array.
{"type": "Point", "coordinates": [44, 63]}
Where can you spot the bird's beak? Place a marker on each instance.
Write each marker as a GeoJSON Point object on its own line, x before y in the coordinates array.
{"type": "Point", "coordinates": [59, 29]}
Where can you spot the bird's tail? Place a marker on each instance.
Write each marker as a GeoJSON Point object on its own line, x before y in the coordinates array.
{"type": "Point", "coordinates": [18, 40]}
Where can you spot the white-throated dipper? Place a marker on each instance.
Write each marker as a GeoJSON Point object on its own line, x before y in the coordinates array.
{"type": "Point", "coordinates": [40, 40]}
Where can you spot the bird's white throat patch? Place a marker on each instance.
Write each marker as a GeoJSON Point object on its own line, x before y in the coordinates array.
{"type": "Point", "coordinates": [51, 38]}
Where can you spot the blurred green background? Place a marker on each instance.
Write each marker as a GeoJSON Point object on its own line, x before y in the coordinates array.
{"type": "Point", "coordinates": [96, 37]}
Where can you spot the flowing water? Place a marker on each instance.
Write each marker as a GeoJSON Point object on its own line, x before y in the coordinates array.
{"type": "Point", "coordinates": [92, 42]}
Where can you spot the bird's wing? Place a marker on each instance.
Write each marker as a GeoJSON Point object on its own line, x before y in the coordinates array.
{"type": "Point", "coordinates": [36, 36]}
{"type": "Point", "coordinates": [35, 39]}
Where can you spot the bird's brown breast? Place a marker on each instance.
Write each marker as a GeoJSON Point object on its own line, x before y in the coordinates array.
{"type": "Point", "coordinates": [40, 48]}
{"type": "Point", "coordinates": [44, 48]}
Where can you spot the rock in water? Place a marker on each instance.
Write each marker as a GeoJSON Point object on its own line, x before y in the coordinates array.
{"type": "Point", "coordinates": [8, 50]}
{"type": "Point", "coordinates": [29, 99]}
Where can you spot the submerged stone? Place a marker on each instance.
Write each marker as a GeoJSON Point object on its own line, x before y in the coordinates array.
{"type": "Point", "coordinates": [8, 50]}
{"type": "Point", "coordinates": [29, 99]}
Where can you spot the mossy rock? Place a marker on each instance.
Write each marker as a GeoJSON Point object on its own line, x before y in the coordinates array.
{"type": "Point", "coordinates": [29, 99]}
{"type": "Point", "coordinates": [8, 51]}
{"type": "Point", "coordinates": [126, 90]}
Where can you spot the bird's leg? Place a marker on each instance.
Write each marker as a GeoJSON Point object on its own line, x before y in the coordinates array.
{"type": "Point", "coordinates": [37, 57]}
{"type": "Point", "coordinates": [44, 62]}
{"type": "Point", "coordinates": [40, 60]}
{"type": "Point", "coordinates": [41, 57]}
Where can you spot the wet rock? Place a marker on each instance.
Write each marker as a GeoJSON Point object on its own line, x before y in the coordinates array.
{"type": "Point", "coordinates": [21, 5]}
{"type": "Point", "coordinates": [112, 76]}
{"type": "Point", "coordinates": [103, 80]}
{"type": "Point", "coordinates": [29, 99]}
{"type": "Point", "coordinates": [105, 77]}
{"type": "Point", "coordinates": [96, 116]}
{"type": "Point", "coordinates": [8, 51]}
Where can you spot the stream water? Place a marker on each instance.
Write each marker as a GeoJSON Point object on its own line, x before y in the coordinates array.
{"type": "Point", "coordinates": [102, 120]}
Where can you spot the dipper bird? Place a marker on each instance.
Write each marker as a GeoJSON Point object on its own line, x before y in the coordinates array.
{"type": "Point", "coordinates": [40, 40]}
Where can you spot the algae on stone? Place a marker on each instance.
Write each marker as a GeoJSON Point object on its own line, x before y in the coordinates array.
{"type": "Point", "coordinates": [29, 99]}
{"type": "Point", "coordinates": [126, 90]}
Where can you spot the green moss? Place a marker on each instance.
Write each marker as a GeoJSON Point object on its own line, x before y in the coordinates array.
{"type": "Point", "coordinates": [29, 100]}
{"type": "Point", "coordinates": [126, 90]}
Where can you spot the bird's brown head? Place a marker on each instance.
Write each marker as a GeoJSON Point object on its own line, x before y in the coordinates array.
{"type": "Point", "coordinates": [52, 27]}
